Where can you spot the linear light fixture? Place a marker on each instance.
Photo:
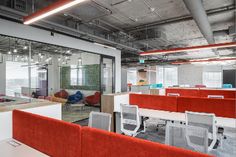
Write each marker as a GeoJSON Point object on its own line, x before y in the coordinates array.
{"type": "Point", "coordinates": [204, 60]}
{"type": "Point", "coordinates": [193, 48]}
{"type": "Point", "coordinates": [50, 10]}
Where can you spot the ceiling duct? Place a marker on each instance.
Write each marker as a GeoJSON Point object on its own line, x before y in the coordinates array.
{"type": "Point", "coordinates": [149, 34]}
{"type": "Point", "coordinates": [20, 5]}
{"type": "Point", "coordinates": [199, 14]}
{"type": "Point", "coordinates": [153, 38]}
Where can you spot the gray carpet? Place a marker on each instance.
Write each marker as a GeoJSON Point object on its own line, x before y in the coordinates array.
{"type": "Point", "coordinates": [228, 148]}
{"type": "Point", "coordinates": [73, 114]}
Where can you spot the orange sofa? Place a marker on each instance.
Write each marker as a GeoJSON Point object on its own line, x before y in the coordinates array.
{"type": "Point", "coordinates": [61, 139]}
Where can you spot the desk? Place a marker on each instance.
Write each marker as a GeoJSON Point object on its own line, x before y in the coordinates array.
{"type": "Point", "coordinates": [177, 116]}
{"type": "Point", "coordinates": [14, 148]}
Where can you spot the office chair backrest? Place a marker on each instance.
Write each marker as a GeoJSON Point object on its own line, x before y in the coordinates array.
{"type": "Point", "coordinates": [188, 137]}
{"type": "Point", "coordinates": [216, 96]}
{"type": "Point", "coordinates": [173, 94]}
{"type": "Point", "coordinates": [100, 120]}
{"type": "Point", "coordinates": [130, 120]}
{"type": "Point", "coordinates": [205, 120]}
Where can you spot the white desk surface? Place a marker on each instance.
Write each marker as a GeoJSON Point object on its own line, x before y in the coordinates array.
{"type": "Point", "coordinates": [177, 116]}
{"type": "Point", "coordinates": [19, 150]}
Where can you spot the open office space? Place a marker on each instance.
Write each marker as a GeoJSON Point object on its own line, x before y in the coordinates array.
{"type": "Point", "coordinates": [117, 78]}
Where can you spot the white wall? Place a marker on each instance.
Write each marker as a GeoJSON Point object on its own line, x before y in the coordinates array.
{"type": "Point", "coordinates": [3, 76]}
{"type": "Point", "coordinates": [124, 80]}
{"type": "Point", "coordinates": [87, 59]}
{"type": "Point", "coordinates": [53, 76]}
{"type": "Point", "coordinates": [27, 32]}
{"type": "Point", "coordinates": [52, 111]}
{"type": "Point", "coordinates": [190, 74]}
{"type": "Point", "coordinates": [193, 74]}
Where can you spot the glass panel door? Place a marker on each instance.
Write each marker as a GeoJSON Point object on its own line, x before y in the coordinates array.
{"type": "Point", "coordinates": [107, 75]}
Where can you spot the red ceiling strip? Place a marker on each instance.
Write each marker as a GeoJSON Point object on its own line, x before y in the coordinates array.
{"type": "Point", "coordinates": [51, 7]}
{"type": "Point", "coordinates": [206, 60]}
{"type": "Point", "coordinates": [193, 48]}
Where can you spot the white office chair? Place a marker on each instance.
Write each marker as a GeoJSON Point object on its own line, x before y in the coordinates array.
{"type": "Point", "coordinates": [216, 96]}
{"type": "Point", "coordinates": [100, 120]}
{"type": "Point", "coordinates": [173, 94]}
{"type": "Point", "coordinates": [130, 120]}
{"type": "Point", "coordinates": [188, 137]}
{"type": "Point", "coordinates": [204, 120]}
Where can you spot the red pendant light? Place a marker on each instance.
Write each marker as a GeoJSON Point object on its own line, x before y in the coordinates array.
{"type": "Point", "coordinates": [204, 60]}
{"type": "Point", "coordinates": [193, 48]}
{"type": "Point", "coordinates": [50, 10]}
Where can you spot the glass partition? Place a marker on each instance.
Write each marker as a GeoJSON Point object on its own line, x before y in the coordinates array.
{"type": "Point", "coordinates": [80, 76]}
{"type": "Point", "coordinates": [36, 71]}
{"type": "Point", "coordinates": [15, 71]}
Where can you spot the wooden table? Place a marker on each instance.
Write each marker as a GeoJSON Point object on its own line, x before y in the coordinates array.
{"type": "Point", "coordinates": [14, 148]}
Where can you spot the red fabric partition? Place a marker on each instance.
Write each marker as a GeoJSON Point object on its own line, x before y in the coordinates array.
{"type": "Point", "coordinates": [184, 92]}
{"type": "Point", "coordinates": [202, 92]}
{"type": "Point", "coordinates": [61, 139]}
{"type": "Point", "coordinates": [155, 102]}
{"type": "Point", "coordinates": [99, 143]}
{"type": "Point", "coordinates": [50, 136]}
{"type": "Point", "coordinates": [221, 107]}
{"type": "Point", "coordinates": [225, 93]}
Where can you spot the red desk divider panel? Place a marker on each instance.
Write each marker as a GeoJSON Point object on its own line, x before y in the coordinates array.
{"type": "Point", "coordinates": [221, 107]}
{"type": "Point", "coordinates": [155, 102]}
{"type": "Point", "coordinates": [99, 143]}
{"type": "Point", "coordinates": [225, 93]}
{"type": "Point", "coordinates": [50, 136]}
{"type": "Point", "coordinates": [184, 92]}
{"type": "Point", "coordinates": [202, 92]}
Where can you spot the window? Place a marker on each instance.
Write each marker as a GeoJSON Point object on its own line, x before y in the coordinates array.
{"type": "Point", "coordinates": [212, 79]}
{"type": "Point", "coordinates": [168, 76]}
{"type": "Point", "coordinates": [17, 76]}
{"type": "Point", "coordinates": [132, 76]}
{"type": "Point", "coordinates": [76, 75]}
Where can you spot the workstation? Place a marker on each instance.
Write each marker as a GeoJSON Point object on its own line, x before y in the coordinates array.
{"type": "Point", "coordinates": [117, 78]}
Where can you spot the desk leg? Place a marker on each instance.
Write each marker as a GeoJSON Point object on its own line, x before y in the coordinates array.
{"type": "Point", "coordinates": [117, 123]}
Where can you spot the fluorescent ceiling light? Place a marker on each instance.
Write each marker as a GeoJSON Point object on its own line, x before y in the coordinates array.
{"type": "Point", "coordinates": [186, 49]}
{"type": "Point", "coordinates": [50, 10]}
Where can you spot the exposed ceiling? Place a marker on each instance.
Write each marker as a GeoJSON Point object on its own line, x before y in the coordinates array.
{"type": "Point", "coordinates": [138, 25]}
